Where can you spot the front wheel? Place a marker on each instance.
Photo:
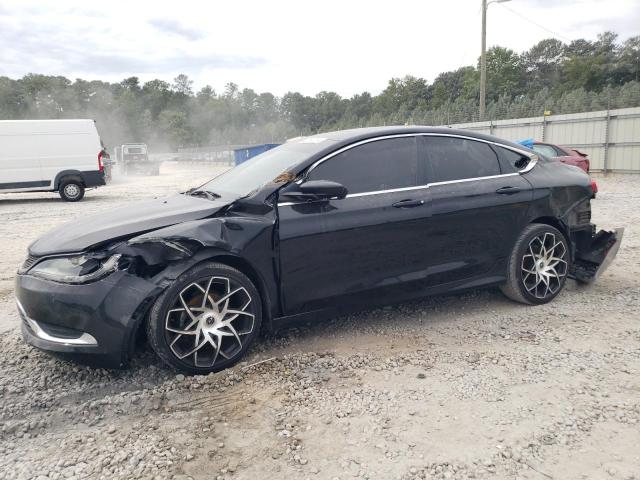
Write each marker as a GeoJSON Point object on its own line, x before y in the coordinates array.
{"type": "Point", "coordinates": [538, 265]}
{"type": "Point", "coordinates": [207, 320]}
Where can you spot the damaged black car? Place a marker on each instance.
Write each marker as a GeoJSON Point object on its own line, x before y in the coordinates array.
{"type": "Point", "coordinates": [318, 226]}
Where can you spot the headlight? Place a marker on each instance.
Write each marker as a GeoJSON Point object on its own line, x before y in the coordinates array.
{"type": "Point", "coordinates": [78, 269]}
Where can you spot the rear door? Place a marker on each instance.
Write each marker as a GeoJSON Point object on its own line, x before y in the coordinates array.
{"type": "Point", "coordinates": [479, 205]}
{"type": "Point", "coordinates": [367, 247]}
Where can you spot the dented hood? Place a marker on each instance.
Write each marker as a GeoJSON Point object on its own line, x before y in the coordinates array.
{"type": "Point", "coordinates": [132, 219]}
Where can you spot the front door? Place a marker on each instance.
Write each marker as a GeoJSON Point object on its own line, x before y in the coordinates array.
{"type": "Point", "coordinates": [365, 248]}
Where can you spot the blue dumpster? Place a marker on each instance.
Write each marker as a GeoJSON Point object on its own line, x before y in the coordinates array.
{"type": "Point", "coordinates": [245, 153]}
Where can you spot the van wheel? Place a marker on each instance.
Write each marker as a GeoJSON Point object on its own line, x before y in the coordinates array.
{"type": "Point", "coordinates": [71, 190]}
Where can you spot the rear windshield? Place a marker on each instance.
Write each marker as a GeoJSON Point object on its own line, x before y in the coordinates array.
{"type": "Point", "coordinates": [134, 150]}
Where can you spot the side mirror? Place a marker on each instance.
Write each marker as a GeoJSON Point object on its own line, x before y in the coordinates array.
{"type": "Point", "coordinates": [317, 190]}
{"type": "Point", "coordinates": [324, 189]}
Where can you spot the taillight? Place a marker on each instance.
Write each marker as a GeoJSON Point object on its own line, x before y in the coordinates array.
{"type": "Point", "coordinates": [100, 165]}
{"type": "Point", "coordinates": [594, 187]}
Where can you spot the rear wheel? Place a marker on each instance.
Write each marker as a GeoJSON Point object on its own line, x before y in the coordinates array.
{"type": "Point", "coordinates": [71, 190]}
{"type": "Point", "coordinates": [207, 320]}
{"type": "Point", "coordinates": [538, 265]}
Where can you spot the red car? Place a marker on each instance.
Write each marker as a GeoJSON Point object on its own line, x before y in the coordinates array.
{"type": "Point", "coordinates": [567, 155]}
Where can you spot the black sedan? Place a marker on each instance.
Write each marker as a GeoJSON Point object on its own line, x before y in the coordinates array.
{"type": "Point", "coordinates": [319, 225]}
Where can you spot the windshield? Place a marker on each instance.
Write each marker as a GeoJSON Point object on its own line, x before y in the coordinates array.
{"type": "Point", "coordinates": [261, 169]}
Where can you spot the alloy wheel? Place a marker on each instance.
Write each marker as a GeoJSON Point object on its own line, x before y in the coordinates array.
{"type": "Point", "coordinates": [208, 320]}
{"type": "Point", "coordinates": [544, 265]}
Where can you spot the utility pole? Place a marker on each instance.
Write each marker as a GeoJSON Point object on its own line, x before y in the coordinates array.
{"type": "Point", "coordinates": [483, 61]}
{"type": "Point", "coordinates": [483, 56]}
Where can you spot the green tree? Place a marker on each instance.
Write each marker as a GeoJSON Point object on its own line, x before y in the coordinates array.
{"type": "Point", "coordinates": [174, 126]}
{"type": "Point", "coordinates": [505, 73]}
{"type": "Point", "coordinates": [409, 91]}
{"type": "Point", "coordinates": [579, 76]}
{"type": "Point", "coordinates": [628, 64]}
{"type": "Point", "coordinates": [543, 64]}
{"type": "Point", "coordinates": [183, 85]}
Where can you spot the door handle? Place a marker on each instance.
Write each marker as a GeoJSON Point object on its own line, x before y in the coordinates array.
{"type": "Point", "coordinates": [408, 203]}
{"type": "Point", "coordinates": [508, 190]}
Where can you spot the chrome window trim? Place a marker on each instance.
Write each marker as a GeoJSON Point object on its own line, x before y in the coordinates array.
{"type": "Point", "coordinates": [534, 160]}
{"type": "Point", "coordinates": [433, 184]}
{"type": "Point", "coordinates": [85, 339]}
{"type": "Point", "coordinates": [532, 155]}
{"type": "Point", "coordinates": [417, 187]}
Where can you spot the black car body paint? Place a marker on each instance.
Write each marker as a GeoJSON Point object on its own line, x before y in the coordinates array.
{"type": "Point", "coordinates": [315, 257]}
{"type": "Point", "coordinates": [123, 223]}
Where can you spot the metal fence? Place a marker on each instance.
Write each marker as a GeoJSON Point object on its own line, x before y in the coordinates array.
{"type": "Point", "coordinates": [222, 154]}
{"type": "Point", "coordinates": [611, 138]}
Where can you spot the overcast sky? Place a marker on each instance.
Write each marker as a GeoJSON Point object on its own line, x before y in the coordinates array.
{"type": "Point", "coordinates": [347, 46]}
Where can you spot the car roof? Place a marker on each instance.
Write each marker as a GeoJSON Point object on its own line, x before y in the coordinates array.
{"type": "Point", "coordinates": [357, 134]}
{"type": "Point", "coordinates": [322, 144]}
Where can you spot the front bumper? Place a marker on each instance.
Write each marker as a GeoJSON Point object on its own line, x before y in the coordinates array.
{"type": "Point", "coordinates": [93, 323]}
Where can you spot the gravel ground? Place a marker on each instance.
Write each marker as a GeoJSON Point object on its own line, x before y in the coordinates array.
{"type": "Point", "coordinates": [464, 386]}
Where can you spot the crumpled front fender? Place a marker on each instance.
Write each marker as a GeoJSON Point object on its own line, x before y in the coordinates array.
{"type": "Point", "coordinates": [183, 240]}
{"type": "Point", "coordinates": [168, 252]}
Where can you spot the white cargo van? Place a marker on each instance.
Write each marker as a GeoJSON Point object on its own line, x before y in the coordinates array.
{"type": "Point", "coordinates": [50, 155]}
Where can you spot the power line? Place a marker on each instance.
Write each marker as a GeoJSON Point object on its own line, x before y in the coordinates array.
{"type": "Point", "coordinates": [535, 23]}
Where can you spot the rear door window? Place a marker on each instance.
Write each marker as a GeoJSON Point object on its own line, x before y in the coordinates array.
{"type": "Point", "coordinates": [453, 158]}
{"type": "Point", "coordinates": [511, 161]}
{"type": "Point", "coordinates": [379, 165]}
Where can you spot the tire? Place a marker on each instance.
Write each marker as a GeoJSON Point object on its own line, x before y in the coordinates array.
{"type": "Point", "coordinates": [197, 336]}
{"type": "Point", "coordinates": [71, 189]}
{"type": "Point", "coordinates": [538, 265]}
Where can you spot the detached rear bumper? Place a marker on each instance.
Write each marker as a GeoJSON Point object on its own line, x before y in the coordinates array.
{"type": "Point", "coordinates": [594, 254]}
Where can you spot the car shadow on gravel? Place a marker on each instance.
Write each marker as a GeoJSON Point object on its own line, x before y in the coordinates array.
{"type": "Point", "coordinates": [420, 315]}
{"type": "Point", "coordinates": [318, 334]}
{"type": "Point", "coordinates": [146, 371]}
